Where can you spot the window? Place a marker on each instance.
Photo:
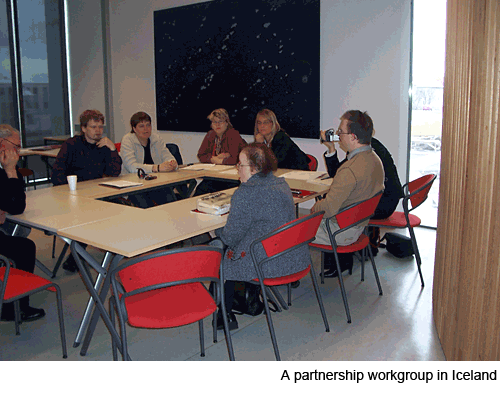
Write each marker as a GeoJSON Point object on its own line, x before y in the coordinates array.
{"type": "Point", "coordinates": [32, 47]}
{"type": "Point", "coordinates": [428, 61]}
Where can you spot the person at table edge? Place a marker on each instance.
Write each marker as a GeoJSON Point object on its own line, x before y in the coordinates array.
{"type": "Point", "coordinates": [268, 131]}
{"type": "Point", "coordinates": [360, 178]}
{"type": "Point", "coordinates": [393, 191]}
{"type": "Point", "coordinates": [221, 146]}
{"type": "Point", "coordinates": [88, 155]}
{"type": "Point", "coordinates": [143, 149]}
{"type": "Point", "coordinates": [13, 201]}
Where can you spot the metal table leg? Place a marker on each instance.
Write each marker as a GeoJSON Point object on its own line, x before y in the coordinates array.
{"type": "Point", "coordinates": [77, 250]}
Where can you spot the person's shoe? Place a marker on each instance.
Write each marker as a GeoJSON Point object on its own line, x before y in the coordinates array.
{"type": "Point", "coordinates": [295, 284]}
{"type": "Point", "coordinates": [70, 264]}
{"type": "Point", "coordinates": [27, 315]}
{"type": "Point", "coordinates": [32, 314]}
{"type": "Point", "coordinates": [232, 323]}
{"type": "Point", "coordinates": [333, 272]}
{"type": "Point", "coordinates": [7, 317]}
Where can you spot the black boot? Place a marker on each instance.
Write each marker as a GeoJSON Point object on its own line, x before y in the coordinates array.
{"type": "Point", "coordinates": [231, 318]}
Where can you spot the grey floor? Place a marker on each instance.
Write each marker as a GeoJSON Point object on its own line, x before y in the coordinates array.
{"type": "Point", "coordinates": [397, 326]}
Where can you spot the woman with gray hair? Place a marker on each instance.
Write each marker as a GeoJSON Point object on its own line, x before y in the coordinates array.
{"type": "Point", "coordinates": [221, 146]}
{"type": "Point", "coordinates": [260, 205]}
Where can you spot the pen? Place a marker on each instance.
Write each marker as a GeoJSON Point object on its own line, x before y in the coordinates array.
{"type": "Point", "coordinates": [320, 177]}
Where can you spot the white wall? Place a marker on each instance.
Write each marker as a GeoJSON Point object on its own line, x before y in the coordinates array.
{"type": "Point", "coordinates": [86, 57]}
{"type": "Point", "coordinates": [364, 65]}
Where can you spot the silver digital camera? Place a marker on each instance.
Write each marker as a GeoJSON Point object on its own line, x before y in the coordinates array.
{"type": "Point", "coordinates": [331, 135]}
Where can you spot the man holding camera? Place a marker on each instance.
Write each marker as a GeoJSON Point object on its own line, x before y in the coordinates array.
{"type": "Point", "coordinates": [360, 177]}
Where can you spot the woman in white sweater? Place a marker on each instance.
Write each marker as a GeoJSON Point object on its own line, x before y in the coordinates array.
{"type": "Point", "coordinates": [141, 149]}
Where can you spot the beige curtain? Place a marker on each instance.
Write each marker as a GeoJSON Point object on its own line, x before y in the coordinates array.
{"type": "Point", "coordinates": [466, 290]}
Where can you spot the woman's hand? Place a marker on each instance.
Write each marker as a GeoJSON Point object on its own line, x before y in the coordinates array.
{"type": "Point", "coordinates": [2, 217]}
{"type": "Point", "coordinates": [168, 166]}
{"type": "Point", "coordinates": [259, 138]}
{"type": "Point", "coordinates": [219, 159]}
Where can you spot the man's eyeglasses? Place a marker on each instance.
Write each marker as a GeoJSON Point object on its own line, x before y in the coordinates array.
{"type": "Point", "coordinates": [339, 132]}
{"type": "Point", "coordinates": [218, 122]}
{"type": "Point", "coordinates": [263, 123]}
{"type": "Point", "coordinates": [18, 147]}
{"type": "Point", "coordinates": [240, 165]}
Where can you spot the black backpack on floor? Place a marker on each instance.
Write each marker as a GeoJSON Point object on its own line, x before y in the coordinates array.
{"type": "Point", "coordinates": [398, 245]}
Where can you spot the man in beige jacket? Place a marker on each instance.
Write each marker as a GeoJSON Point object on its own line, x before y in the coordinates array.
{"type": "Point", "coordinates": [359, 178]}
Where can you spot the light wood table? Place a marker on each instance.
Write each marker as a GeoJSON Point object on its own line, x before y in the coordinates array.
{"type": "Point", "coordinates": [122, 231]}
{"type": "Point", "coordinates": [45, 152]}
{"type": "Point", "coordinates": [58, 139]}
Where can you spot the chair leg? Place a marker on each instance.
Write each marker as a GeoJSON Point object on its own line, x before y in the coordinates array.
{"type": "Point", "coordinates": [17, 316]}
{"type": "Point", "coordinates": [270, 324]}
{"type": "Point", "coordinates": [125, 355]}
{"type": "Point", "coordinates": [342, 288]}
{"type": "Point", "coordinates": [322, 267]}
{"type": "Point", "coordinates": [417, 254]}
{"type": "Point", "coordinates": [278, 296]}
{"type": "Point", "coordinates": [375, 270]}
{"type": "Point", "coordinates": [112, 318]}
{"type": "Point", "coordinates": [224, 317]}
{"type": "Point", "coordinates": [320, 300]}
{"type": "Point", "coordinates": [289, 286]}
{"type": "Point", "coordinates": [214, 325]}
{"type": "Point", "coordinates": [363, 265]}
{"type": "Point", "coordinates": [202, 338]}
{"type": "Point", "coordinates": [61, 321]}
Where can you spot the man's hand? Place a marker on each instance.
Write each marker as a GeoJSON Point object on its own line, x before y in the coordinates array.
{"type": "Point", "coordinates": [329, 144]}
{"type": "Point", "coordinates": [106, 142]}
{"type": "Point", "coordinates": [168, 165]}
{"type": "Point", "coordinates": [9, 159]}
{"type": "Point", "coordinates": [2, 217]}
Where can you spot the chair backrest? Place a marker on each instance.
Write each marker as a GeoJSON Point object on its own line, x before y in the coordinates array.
{"type": "Point", "coordinates": [118, 146]}
{"type": "Point", "coordinates": [27, 173]}
{"type": "Point", "coordinates": [357, 213]}
{"type": "Point", "coordinates": [290, 235]}
{"type": "Point", "coordinates": [419, 190]}
{"type": "Point", "coordinates": [169, 266]}
{"type": "Point", "coordinates": [313, 164]}
{"type": "Point", "coordinates": [174, 150]}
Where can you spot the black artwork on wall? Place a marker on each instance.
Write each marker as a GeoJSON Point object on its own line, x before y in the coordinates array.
{"type": "Point", "coordinates": [242, 56]}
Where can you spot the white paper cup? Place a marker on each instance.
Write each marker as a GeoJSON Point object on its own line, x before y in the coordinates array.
{"type": "Point", "coordinates": [71, 182]}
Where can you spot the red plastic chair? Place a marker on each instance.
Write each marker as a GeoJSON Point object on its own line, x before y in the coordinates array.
{"type": "Point", "coordinates": [283, 240]}
{"type": "Point", "coordinates": [15, 284]}
{"type": "Point", "coordinates": [118, 146]}
{"type": "Point", "coordinates": [313, 164]}
{"type": "Point", "coordinates": [416, 193]}
{"type": "Point", "coordinates": [346, 218]}
{"type": "Point", "coordinates": [165, 290]}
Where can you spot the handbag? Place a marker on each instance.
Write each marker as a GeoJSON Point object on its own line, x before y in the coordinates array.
{"type": "Point", "coordinates": [398, 245]}
{"type": "Point", "coordinates": [247, 299]}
